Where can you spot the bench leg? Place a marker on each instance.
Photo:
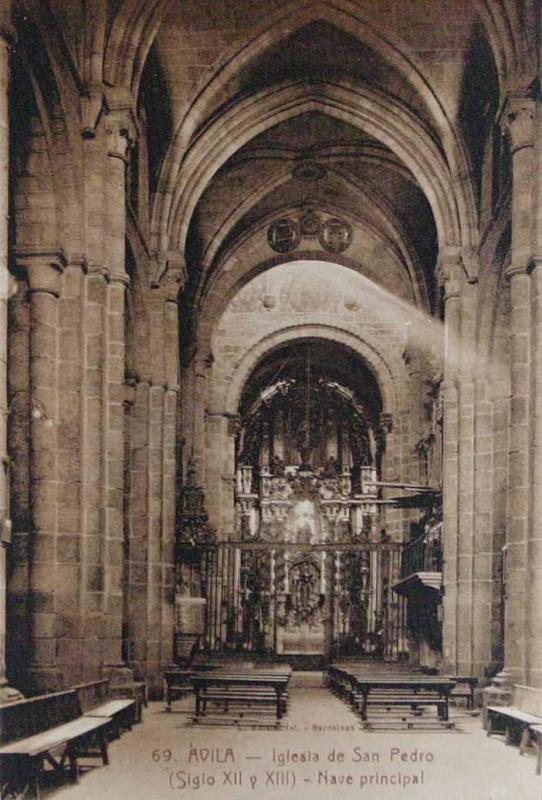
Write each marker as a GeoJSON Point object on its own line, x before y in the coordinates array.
{"type": "Point", "coordinates": [20, 777]}
{"type": "Point", "coordinates": [489, 723]}
{"type": "Point", "coordinates": [35, 772]}
{"type": "Point", "coordinates": [364, 706]}
{"type": "Point", "coordinates": [279, 705]}
{"type": "Point", "coordinates": [74, 768]}
{"type": "Point", "coordinates": [508, 738]}
{"type": "Point", "coordinates": [525, 739]}
{"type": "Point", "coordinates": [102, 739]}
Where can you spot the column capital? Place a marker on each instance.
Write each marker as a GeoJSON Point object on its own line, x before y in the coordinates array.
{"type": "Point", "coordinates": [170, 274]}
{"type": "Point", "coordinates": [202, 362]}
{"type": "Point", "coordinates": [534, 263]}
{"type": "Point", "coordinates": [120, 134]}
{"type": "Point", "coordinates": [43, 270]}
{"type": "Point", "coordinates": [517, 121]}
{"type": "Point", "coordinates": [450, 273]}
{"type": "Point", "coordinates": [120, 122]}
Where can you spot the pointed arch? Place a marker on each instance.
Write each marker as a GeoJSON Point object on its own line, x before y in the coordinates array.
{"type": "Point", "coordinates": [133, 31]}
{"type": "Point", "coordinates": [385, 228]}
{"type": "Point", "coordinates": [371, 111]}
{"type": "Point", "coordinates": [52, 117]}
{"type": "Point", "coordinates": [348, 16]}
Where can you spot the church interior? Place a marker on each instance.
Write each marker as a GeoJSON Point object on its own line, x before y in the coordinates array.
{"type": "Point", "coordinates": [271, 307]}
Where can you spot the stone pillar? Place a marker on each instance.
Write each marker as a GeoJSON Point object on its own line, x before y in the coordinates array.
{"type": "Point", "coordinates": [173, 283]}
{"type": "Point", "coordinates": [519, 119]}
{"type": "Point", "coordinates": [220, 473]}
{"type": "Point", "coordinates": [534, 553]}
{"type": "Point", "coordinates": [119, 133]}
{"type": "Point", "coordinates": [483, 630]}
{"type": "Point", "coordinates": [533, 583]}
{"type": "Point", "coordinates": [199, 400]}
{"type": "Point", "coordinates": [6, 38]}
{"type": "Point", "coordinates": [151, 539]}
{"type": "Point", "coordinates": [466, 612]}
{"type": "Point", "coordinates": [449, 274]}
{"type": "Point", "coordinates": [52, 584]}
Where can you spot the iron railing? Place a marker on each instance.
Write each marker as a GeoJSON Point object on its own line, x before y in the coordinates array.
{"type": "Point", "coordinates": [424, 554]}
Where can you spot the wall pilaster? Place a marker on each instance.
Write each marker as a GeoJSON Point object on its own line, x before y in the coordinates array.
{"type": "Point", "coordinates": [6, 39]}
{"type": "Point", "coordinates": [152, 466]}
{"type": "Point", "coordinates": [450, 276]}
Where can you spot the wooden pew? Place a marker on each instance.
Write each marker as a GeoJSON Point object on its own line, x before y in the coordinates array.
{"type": "Point", "coordinates": [176, 685]}
{"type": "Point", "coordinates": [48, 729]}
{"type": "Point", "coordinates": [136, 690]}
{"type": "Point", "coordinates": [241, 688]}
{"type": "Point", "coordinates": [464, 688]}
{"type": "Point", "coordinates": [94, 701]}
{"type": "Point", "coordinates": [536, 734]}
{"type": "Point", "coordinates": [517, 724]}
{"type": "Point", "coordinates": [413, 691]}
{"type": "Point", "coordinates": [390, 686]}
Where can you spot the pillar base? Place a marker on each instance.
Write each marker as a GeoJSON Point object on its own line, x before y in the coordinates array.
{"type": "Point", "coordinates": [9, 695]}
{"type": "Point", "coordinates": [42, 680]}
{"type": "Point", "coordinates": [499, 693]}
{"type": "Point", "coordinates": [118, 674]}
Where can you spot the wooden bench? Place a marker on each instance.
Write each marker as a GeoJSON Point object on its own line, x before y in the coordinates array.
{"type": "Point", "coordinates": [414, 691]}
{"type": "Point", "coordinates": [249, 688]}
{"type": "Point", "coordinates": [136, 690]}
{"type": "Point", "coordinates": [536, 733]}
{"type": "Point", "coordinates": [513, 723]}
{"type": "Point", "coordinates": [95, 701]}
{"type": "Point", "coordinates": [464, 688]}
{"type": "Point", "coordinates": [48, 729]}
{"type": "Point", "coordinates": [177, 684]}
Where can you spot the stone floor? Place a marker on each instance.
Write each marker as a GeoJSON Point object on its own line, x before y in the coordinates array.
{"type": "Point", "coordinates": [320, 752]}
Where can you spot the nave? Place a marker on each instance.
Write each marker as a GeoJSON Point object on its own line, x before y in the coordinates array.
{"type": "Point", "coordinates": [157, 757]}
{"type": "Point", "coordinates": [270, 371]}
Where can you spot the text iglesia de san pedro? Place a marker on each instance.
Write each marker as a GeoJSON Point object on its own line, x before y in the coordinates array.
{"type": "Point", "coordinates": [271, 346]}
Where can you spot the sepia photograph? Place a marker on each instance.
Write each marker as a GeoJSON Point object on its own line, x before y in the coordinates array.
{"type": "Point", "coordinates": [270, 399]}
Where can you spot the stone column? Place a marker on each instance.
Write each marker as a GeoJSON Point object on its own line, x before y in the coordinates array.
{"type": "Point", "coordinates": [533, 607]}
{"type": "Point", "coordinates": [466, 612]}
{"type": "Point", "coordinates": [220, 472]}
{"type": "Point", "coordinates": [151, 540]}
{"type": "Point", "coordinates": [199, 399]}
{"type": "Point", "coordinates": [6, 38]}
{"type": "Point", "coordinates": [519, 120]}
{"type": "Point", "coordinates": [172, 284]}
{"type": "Point", "coordinates": [534, 551]}
{"type": "Point", "coordinates": [449, 275]}
{"type": "Point", "coordinates": [119, 133]}
{"type": "Point", "coordinates": [483, 629]}
{"type": "Point", "coordinates": [52, 585]}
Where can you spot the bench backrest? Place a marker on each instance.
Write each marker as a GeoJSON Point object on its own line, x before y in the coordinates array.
{"type": "Point", "coordinates": [37, 714]}
{"type": "Point", "coordinates": [92, 694]}
{"type": "Point", "coordinates": [526, 699]}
